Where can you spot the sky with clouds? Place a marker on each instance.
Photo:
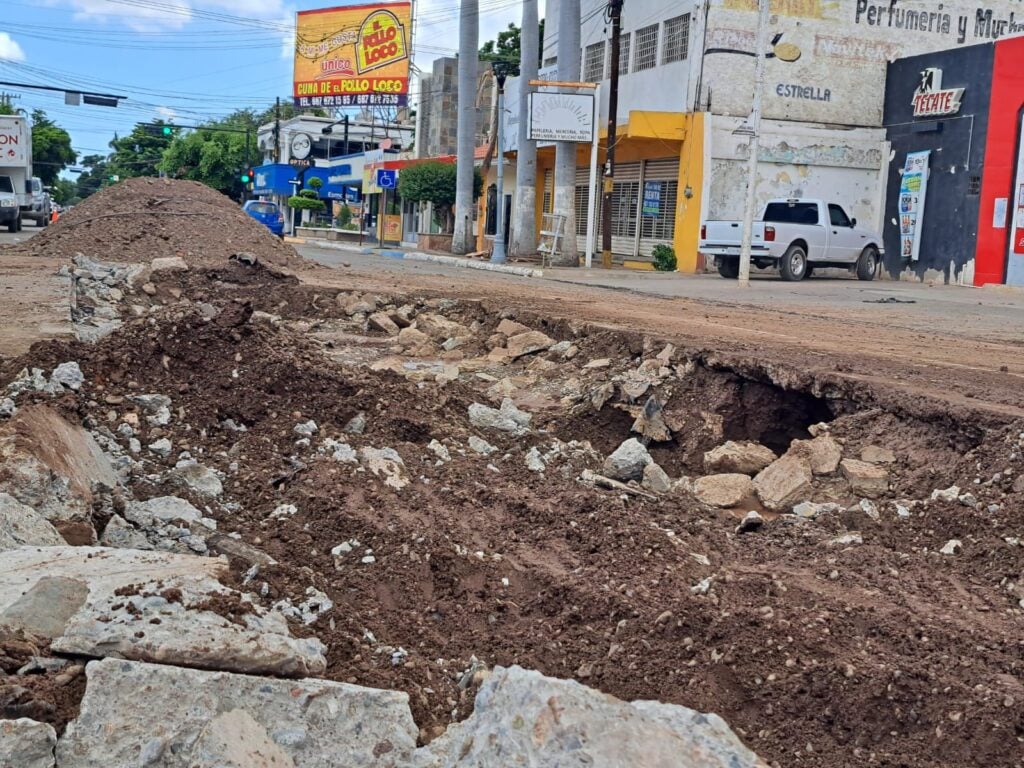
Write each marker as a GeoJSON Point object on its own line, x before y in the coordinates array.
{"type": "Point", "coordinates": [180, 60]}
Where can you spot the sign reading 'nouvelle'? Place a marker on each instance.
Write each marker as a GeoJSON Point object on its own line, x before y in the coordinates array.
{"type": "Point", "coordinates": [931, 100]}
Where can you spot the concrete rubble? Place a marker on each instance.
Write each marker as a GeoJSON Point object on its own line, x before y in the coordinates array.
{"type": "Point", "coordinates": [21, 525]}
{"type": "Point", "coordinates": [784, 483]}
{"type": "Point", "coordinates": [26, 743]}
{"type": "Point", "coordinates": [627, 462]}
{"type": "Point", "coordinates": [723, 490]}
{"type": "Point", "coordinates": [745, 458]}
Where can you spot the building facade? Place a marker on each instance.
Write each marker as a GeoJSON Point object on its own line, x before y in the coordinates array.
{"type": "Point", "coordinates": [686, 87]}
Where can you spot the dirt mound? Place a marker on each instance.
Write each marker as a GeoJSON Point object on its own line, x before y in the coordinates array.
{"type": "Point", "coordinates": [846, 640]}
{"type": "Point", "coordinates": [141, 219]}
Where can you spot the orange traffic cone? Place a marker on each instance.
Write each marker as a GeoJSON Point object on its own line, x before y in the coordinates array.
{"type": "Point", "coordinates": [54, 215]}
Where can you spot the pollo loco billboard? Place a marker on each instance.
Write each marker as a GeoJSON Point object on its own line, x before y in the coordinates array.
{"type": "Point", "coordinates": [353, 56]}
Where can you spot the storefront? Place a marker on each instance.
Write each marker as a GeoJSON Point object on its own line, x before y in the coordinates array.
{"type": "Point", "coordinates": [955, 189]}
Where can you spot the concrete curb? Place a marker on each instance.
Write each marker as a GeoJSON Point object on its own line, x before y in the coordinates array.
{"type": "Point", "coordinates": [451, 261]}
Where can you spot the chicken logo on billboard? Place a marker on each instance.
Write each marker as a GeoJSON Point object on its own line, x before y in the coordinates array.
{"type": "Point", "coordinates": [353, 56]}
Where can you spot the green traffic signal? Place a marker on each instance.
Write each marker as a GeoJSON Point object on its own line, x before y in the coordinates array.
{"type": "Point", "coordinates": [167, 130]}
{"type": "Point", "coordinates": [246, 177]}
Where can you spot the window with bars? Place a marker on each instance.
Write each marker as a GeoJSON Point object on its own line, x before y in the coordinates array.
{"type": "Point", "coordinates": [677, 39]}
{"type": "Point", "coordinates": [625, 197]}
{"type": "Point", "coordinates": [547, 201]}
{"type": "Point", "coordinates": [624, 54]}
{"type": "Point", "coordinates": [593, 62]}
{"type": "Point", "coordinates": [663, 225]}
{"type": "Point", "coordinates": [551, 61]}
{"type": "Point", "coordinates": [583, 209]}
{"type": "Point", "coordinates": [646, 47]}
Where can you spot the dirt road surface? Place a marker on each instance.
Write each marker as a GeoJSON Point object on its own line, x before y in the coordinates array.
{"type": "Point", "coordinates": [34, 300]}
{"type": "Point", "coordinates": [963, 346]}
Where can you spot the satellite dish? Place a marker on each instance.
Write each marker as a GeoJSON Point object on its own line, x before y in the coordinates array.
{"type": "Point", "coordinates": [787, 52]}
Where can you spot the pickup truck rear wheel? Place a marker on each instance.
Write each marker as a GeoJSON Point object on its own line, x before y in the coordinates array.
{"type": "Point", "coordinates": [729, 268]}
{"type": "Point", "coordinates": [793, 266]}
{"type": "Point", "coordinates": [867, 264]}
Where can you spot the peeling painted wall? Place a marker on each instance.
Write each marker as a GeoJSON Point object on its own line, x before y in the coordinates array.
{"type": "Point", "coordinates": [846, 46]}
{"type": "Point", "coordinates": [842, 166]}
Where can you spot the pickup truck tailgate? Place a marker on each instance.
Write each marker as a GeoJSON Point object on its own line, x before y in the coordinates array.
{"type": "Point", "coordinates": [728, 235]}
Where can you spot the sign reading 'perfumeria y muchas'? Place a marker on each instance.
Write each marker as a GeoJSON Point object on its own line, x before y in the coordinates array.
{"type": "Point", "coordinates": [353, 56]}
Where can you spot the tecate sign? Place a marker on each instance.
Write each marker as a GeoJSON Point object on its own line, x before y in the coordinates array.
{"type": "Point", "coordinates": [931, 100]}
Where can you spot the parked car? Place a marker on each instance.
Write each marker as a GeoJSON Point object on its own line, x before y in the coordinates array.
{"type": "Point", "coordinates": [10, 213]}
{"type": "Point", "coordinates": [267, 214]}
{"type": "Point", "coordinates": [796, 235]}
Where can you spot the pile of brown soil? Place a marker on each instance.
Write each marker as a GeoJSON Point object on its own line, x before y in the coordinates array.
{"type": "Point", "coordinates": [141, 219]}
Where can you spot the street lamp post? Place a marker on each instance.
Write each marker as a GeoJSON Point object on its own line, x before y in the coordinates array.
{"type": "Point", "coordinates": [754, 144]}
{"type": "Point", "coordinates": [500, 69]}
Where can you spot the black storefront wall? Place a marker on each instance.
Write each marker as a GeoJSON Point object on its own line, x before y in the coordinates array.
{"type": "Point", "coordinates": [957, 144]}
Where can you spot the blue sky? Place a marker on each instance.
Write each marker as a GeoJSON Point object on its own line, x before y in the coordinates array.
{"type": "Point", "coordinates": [183, 60]}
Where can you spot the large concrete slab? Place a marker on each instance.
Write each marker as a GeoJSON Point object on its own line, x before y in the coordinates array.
{"type": "Point", "coordinates": [134, 712]}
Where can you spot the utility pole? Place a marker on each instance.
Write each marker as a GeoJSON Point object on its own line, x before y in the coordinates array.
{"type": "Point", "coordinates": [524, 227]}
{"type": "Point", "coordinates": [615, 15]}
{"type": "Point", "coordinates": [277, 130]}
{"type": "Point", "coordinates": [498, 254]}
{"type": "Point", "coordinates": [755, 143]}
{"type": "Point", "coordinates": [565, 151]}
{"type": "Point", "coordinates": [469, 42]}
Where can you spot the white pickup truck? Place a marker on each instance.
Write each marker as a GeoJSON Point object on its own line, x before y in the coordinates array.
{"type": "Point", "coordinates": [795, 235]}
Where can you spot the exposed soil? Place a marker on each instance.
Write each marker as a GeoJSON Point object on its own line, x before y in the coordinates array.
{"type": "Point", "coordinates": [819, 653]}
{"type": "Point", "coordinates": [887, 653]}
{"type": "Point", "coordinates": [51, 696]}
{"type": "Point", "coordinates": [144, 218]}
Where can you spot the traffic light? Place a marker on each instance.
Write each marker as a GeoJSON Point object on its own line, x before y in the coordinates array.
{"type": "Point", "coordinates": [247, 177]}
{"type": "Point", "coordinates": [167, 130]}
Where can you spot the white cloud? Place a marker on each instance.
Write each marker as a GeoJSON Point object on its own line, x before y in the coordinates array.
{"type": "Point", "coordinates": [166, 113]}
{"type": "Point", "coordinates": [9, 49]}
{"type": "Point", "coordinates": [165, 15]}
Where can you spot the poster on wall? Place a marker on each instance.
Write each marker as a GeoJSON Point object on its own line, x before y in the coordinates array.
{"type": "Point", "coordinates": [353, 56]}
{"type": "Point", "coordinates": [913, 191]}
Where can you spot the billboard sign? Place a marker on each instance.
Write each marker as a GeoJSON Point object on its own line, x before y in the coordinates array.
{"type": "Point", "coordinates": [353, 56]}
{"type": "Point", "coordinates": [913, 190]}
{"type": "Point", "coordinates": [561, 117]}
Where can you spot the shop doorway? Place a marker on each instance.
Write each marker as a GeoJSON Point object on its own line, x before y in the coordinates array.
{"type": "Point", "coordinates": [1015, 257]}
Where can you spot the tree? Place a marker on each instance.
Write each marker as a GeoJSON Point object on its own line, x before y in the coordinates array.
{"type": "Point", "coordinates": [140, 152]}
{"type": "Point", "coordinates": [214, 158]}
{"type": "Point", "coordinates": [434, 182]}
{"type": "Point", "coordinates": [94, 177]}
{"type": "Point", "coordinates": [51, 148]}
{"type": "Point", "coordinates": [64, 190]}
{"type": "Point", "coordinates": [507, 47]}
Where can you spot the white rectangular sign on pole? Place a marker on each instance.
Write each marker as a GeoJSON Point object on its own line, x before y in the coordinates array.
{"type": "Point", "coordinates": [561, 117]}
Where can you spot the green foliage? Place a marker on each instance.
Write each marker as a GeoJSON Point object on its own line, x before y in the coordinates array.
{"type": "Point", "coordinates": [51, 148]}
{"type": "Point", "coordinates": [94, 177]}
{"type": "Point", "coordinates": [434, 182]}
{"type": "Point", "coordinates": [508, 48]}
{"type": "Point", "coordinates": [664, 258]}
{"type": "Point", "coordinates": [210, 157]}
{"type": "Point", "coordinates": [344, 217]}
{"type": "Point", "coordinates": [307, 200]}
{"type": "Point", "coordinates": [139, 153]}
{"type": "Point", "coordinates": [315, 183]}
{"type": "Point", "coordinates": [7, 106]}
{"type": "Point", "coordinates": [63, 191]}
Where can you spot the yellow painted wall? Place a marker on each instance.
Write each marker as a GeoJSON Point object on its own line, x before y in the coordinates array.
{"type": "Point", "coordinates": [648, 136]}
{"type": "Point", "coordinates": [691, 177]}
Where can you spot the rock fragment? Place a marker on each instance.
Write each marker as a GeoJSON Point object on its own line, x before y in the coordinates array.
{"type": "Point", "coordinates": [527, 343]}
{"type": "Point", "coordinates": [628, 461]}
{"type": "Point", "coordinates": [68, 375]}
{"type": "Point", "coordinates": [26, 743]}
{"type": "Point", "coordinates": [724, 491]}
{"type": "Point", "coordinates": [865, 479]}
{"type": "Point", "coordinates": [823, 453]}
{"type": "Point", "coordinates": [507, 418]}
{"type": "Point", "coordinates": [744, 458]}
{"type": "Point", "coordinates": [784, 483]}
{"type": "Point", "coordinates": [655, 479]}
{"type": "Point", "coordinates": [20, 525]}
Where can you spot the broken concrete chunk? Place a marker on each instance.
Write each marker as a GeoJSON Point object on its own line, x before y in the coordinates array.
{"type": "Point", "coordinates": [356, 425]}
{"type": "Point", "coordinates": [823, 453]}
{"type": "Point", "coordinates": [512, 725]}
{"type": "Point", "coordinates": [7, 408]}
{"type": "Point", "coordinates": [527, 343]}
{"type": "Point", "coordinates": [385, 463]}
{"type": "Point", "coordinates": [510, 328]}
{"type": "Point", "coordinates": [235, 740]}
{"type": "Point", "coordinates": [952, 547]}
{"type": "Point", "coordinates": [26, 743]}
{"type": "Point", "coordinates": [379, 321]}
{"type": "Point", "coordinates": [725, 491]}
{"type": "Point", "coordinates": [168, 264]}
{"type": "Point", "coordinates": [51, 465]}
{"type": "Point", "coordinates": [507, 418]}
{"type": "Point", "coordinates": [655, 479]}
{"type": "Point", "coordinates": [131, 708]}
{"type": "Point", "coordinates": [874, 454]}
{"type": "Point", "coordinates": [744, 458]}
{"type": "Point", "coordinates": [198, 478]}
{"type": "Point", "coordinates": [45, 607]}
{"type": "Point", "coordinates": [121, 535]}
{"type": "Point", "coordinates": [68, 375]}
{"type": "Point", "coordinates": [651, 422]}
{"type": "Point", "coordinates": [628, 461]}
{"type": "Point", "coordinates": [852, 539]}
{"type": "Point", "coordinates": [481, 446]}
{"type": "Point", "coordinates": [21, 525]}
{"type": "Point", "coordinates": [949, 494]}
{"type": "Point", "coordinates": [161, 447]}
{"type": "Point", "coordinates": [439, 328]}
{"type": "Point", "coordinates": [866, 479]}
{"type": "Point", "coordinates": [439, 450]}
{"type": "Point", "coordinates": [809, 510]}
{"type": "Point", "coordinates": [784, 483]}
{"type": "Point", "coordinates": [162, 508]}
